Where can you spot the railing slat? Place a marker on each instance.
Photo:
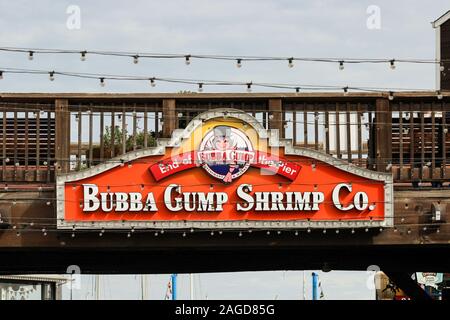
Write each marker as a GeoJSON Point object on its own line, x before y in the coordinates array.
{"type": "Point", "coordinates": [359, 134]}
{"type": "Point", "coordinates": [444, 141]}
{"type": "Point", "coordinates": [338, 132]}
{"type": "Point", "coordinates": [134, 128]}
{"type": "Point", "coordinates": [411, 142]}
{"type": "Point", "coordinates": [102, 133]}
{"type": "Point", "coordinates": [91, 131]}
{"type": "Point", "coordinates": [327, 132]}
{"type": "Point", "coordinates": [305, 126]}
{"type": "Point", "coordinates": [422, 143]}
{"type": "Point", "coordinates": [80, 118]}
{"type": "Point", "coordinates": [113, 134]}
{"type": "Point", "coordinates": [349, 141]}
{"type": "Point", "coordinates": [38, 145]}
{"type": "Point", "coordinates": [316, 130]}
{"type": "Point", "coordinates": [433, 143]}
{"type": "Point", "coordinates": [400, 124]}
{"type": "Point", "coordinates": [4, 147]}
{"type": "Point", "coordinates": [145, 126]}
{"type": "Point", "coordinates": [124, 130]}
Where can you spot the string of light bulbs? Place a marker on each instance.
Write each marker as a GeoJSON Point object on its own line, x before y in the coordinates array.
{"type": "Point", "coordinates": [135, 56]}
{"type": "Point", "coordinates": [201, 83]}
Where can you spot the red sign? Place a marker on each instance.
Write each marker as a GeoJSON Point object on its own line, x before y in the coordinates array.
{"type": "Point", "coordinates": [231, 176]}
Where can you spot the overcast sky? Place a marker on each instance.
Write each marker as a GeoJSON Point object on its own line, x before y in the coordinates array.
{"type": "Point", "coordinates": [234, 27]}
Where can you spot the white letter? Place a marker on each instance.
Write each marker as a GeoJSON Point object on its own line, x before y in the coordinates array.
{"type": "Point", "coordinates": [150, 203]}
{"type": "Point", "coordinates": [121, 201]}
{"type": "Point", "coordinates": [361, 201]}
{"type": "Point", "coordinates": [318, 198]}
{"type": "Point", "coordinates": [168, 199]}
{"type": "Point", "coordinates": [336, 201]}
{"type": "Point", "coordinates": [222, 197]}
{"type": "Point", "coordinates": [89, 194]}
{"type": "Point", "coordinates": [136, 201]}
{"type": "Point", "coordinates": [245, 196]}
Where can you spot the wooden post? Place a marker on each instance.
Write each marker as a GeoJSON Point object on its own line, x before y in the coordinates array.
{"type": "Point", "coordinates": [276, 116]}
{"type": "Point", "coordinates": [62, 135]}
{"type": "Point", "coordinates": [383, 127]}
{"type": "Point", "coordinates": [169, 117]}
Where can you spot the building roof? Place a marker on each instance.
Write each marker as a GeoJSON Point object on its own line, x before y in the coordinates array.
{"type": "Point", "coordinates": [60, 279]}
{"type": "Point", "coordinates": [441, 20]}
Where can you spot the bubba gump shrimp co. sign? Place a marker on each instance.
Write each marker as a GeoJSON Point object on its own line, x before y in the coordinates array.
{"type": "Point", "coordinates": [224, 171]}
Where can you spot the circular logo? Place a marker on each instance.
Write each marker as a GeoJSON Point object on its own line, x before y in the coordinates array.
{"type": "Point", "coordinates": [226, 153]}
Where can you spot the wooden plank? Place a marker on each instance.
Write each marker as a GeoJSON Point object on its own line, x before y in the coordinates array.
{"type": "Point", "coordinates": [38, 145]}
{"type": "Point", "coordinates": [359, 134]}
{"type": "Point", "coordinates": [411, 142]}
{"type": "Point", "coordinates": [422, 142]}
{"type": "Point", "coordinates": [62, 135]}
{"type": "Point", "coordinates": [102, 138]}
{"type": "Point", "coordinates": [145, 126]}
{"type": "Point", "coordinates": [80, 117]}
{"type": "Point", "coordinates": [169, 117]}
{"type": "Point", "coordinates": [91, 132]}
{"type": "Point", "coordinates": [327, 132]}
{"type": "Point", "coordinates": [433, 143]}
{"type": "Point", "coordinates": [4, 147]}
{"type": "Point", "coordinates": [383, 133]}
{"type": "Point", "coordinates": [316, 130]}
{"type": "Point", "coordinates": [444, 141]}
{"type": "Point", "coordinates": [349, 137]}
{"type": "Point", "coordinates": [134, 128]}
{"type": "Point", "coordinates": [113, 134]}
{"type": "Point", "coordinates": [156, 119]}
{"type": "Point", "coordinates": [400, 124]}
{"type": "Point", "coordinates": [305, 126]}
{"type": "Point", "coordinates": [15, 143]}
{"type": "Point", "coordinates": [124, 129]}
{"type": "Point", "coordinates": [26, 142]}
{"type": "Point", "coordinates": [49, 145]}
{"type": "Point", "coordinates": [276, 109]}
{"type": "Point", "coordinates": [338, 132]}
{"type": "Point", "coordinates": [294, 128]}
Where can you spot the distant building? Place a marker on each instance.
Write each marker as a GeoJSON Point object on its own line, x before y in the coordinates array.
{"type": "Point", "coordinates": [442, 26]}
{"type": "Point", "coordinates": [31, 287]}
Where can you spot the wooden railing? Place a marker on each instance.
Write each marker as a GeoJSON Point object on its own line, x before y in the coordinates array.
{"type": "Point", "coordinates": [408, 136]}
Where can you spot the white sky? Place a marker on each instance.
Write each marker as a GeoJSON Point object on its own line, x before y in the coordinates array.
{"type": "Point", "coordinates": [317, 28]}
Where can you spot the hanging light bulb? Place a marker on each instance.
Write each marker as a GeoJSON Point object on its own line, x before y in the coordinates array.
{"type": "Point", "coordinates": [152, 82]}
{"type": "Point", "coordinates": [297, 90]}
{"type": "Point", "coordinates": [136, 59]}
{"type": "Point", "coordinates": [249, 87]}
{"type": "Point", "coordinates": [102, 82]}
{"type": "Point", "coordinates": [441, 67]}
{"type": "Point", "coordinates": [187, 60]}
{"type": "Point", "coordinates": [200, 87]}
{"type": "Point", "coordinates": [30, 55]}
{"type": "Point", "coordinates": [51, 75]}
{"type": "Point", "coordinates": [291, 62]}
{"type": "Point", "coordinates": [345, 90]}
{"type": "Point", "coordinates": [391, 95]}
{"type": "Point", "coordinates": [439, 95]}
{"type": "Point", "coordinates": [392, 64]}
{"type": "Point", "coordinates": [239, 63]}
{"type": "Point", "coordinates": [83, 55]}
{"type": "Point", "coordinates": [341, 65]}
